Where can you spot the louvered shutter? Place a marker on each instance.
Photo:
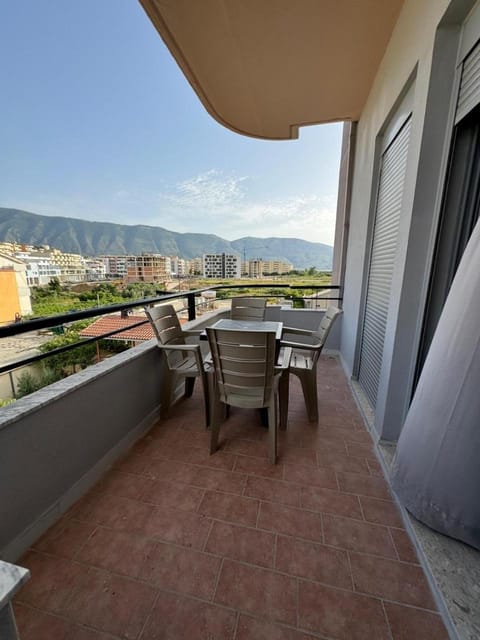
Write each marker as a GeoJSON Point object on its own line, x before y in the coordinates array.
{"type": "Point", "coordinates": [384, 245]}
{"type": "Point", "coordinates": [469, 92]}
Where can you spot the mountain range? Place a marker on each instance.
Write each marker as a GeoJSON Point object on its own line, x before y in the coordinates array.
{"type": "Point", "coordinates": [72, 235]}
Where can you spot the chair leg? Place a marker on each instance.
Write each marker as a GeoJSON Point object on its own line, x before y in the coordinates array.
{"type": "Point", "coordinates": [189, 385]}
{"type": "Point", "coordinates": [283, 392]}
{"type": "Point", "coordinates": [272, 433]}
{"type": "Point", "coordinates": [215, 425]}
{"type": "Point", "coordinates": [166, 395]}
{"type": "Point", "coordinates": [206, 398]}
{"type": "Point", "coordinates": [309, 387]}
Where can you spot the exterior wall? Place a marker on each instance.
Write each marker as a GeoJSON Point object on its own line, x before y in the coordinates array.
{"type": "Point", "coordinates": [416, 41]}
{"type": "Point", "coordinates": [10, 304]}
{"type": "Point", "coordinates": [73, 436]}
{"type": "Point", "coordinates": [148, 268]}
{"type": "Point", "coordinates": [14, 291]}
{"type": "Point", "coordinates": [221, 265]}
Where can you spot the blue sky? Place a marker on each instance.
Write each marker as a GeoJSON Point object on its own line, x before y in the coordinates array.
{"type": "Point", "coordinates": [98, 122]}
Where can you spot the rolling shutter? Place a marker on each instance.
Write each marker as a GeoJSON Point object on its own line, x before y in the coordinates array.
{"type": "Point", "coordinates": [469, 93]}
{"type": "Point", "coordinates": [384, 244]}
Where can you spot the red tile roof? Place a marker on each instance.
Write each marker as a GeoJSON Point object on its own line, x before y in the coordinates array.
{"type": "Point", "coordinates": [112, 322]}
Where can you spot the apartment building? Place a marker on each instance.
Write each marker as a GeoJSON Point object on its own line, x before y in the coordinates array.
{"type": "Point", "coordinates": [148, 267]}
{"type": "Point", "coordinates": [179, 266]}
{"type": "Point", "coordinates": [221, 265]}
{"type": "Point", "coordinates": [258, 268]}
{"type": "Point", "coordinates": [115, 266]}
{"type": "Point", "coordinates": [14, 290]}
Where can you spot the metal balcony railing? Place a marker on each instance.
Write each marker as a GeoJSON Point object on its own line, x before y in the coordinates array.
{"type": "Point", "coordinates": [191, 305]}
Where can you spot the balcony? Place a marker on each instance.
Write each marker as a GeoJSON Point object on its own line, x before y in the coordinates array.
{"type": "Point", "coordinates": [154, 538]}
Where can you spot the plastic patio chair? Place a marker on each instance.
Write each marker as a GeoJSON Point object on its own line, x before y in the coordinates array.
{"type": "Point", "coordinates": [303, 362]}
{"type": "Point", "coordinates": [183, 360]}
{"type": "Point", "coordinates": [248, 308]}
{"type": "Point", "coordinates": [246, 376]}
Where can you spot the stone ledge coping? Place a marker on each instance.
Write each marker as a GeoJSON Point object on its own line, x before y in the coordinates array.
{"type": "Point", "coordinates": [11, 579]}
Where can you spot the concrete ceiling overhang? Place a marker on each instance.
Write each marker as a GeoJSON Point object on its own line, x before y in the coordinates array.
{"type": "Point", "coordinates": [264, 68]}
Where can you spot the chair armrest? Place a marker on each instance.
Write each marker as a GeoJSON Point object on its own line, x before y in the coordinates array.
{"type": "Point", "coordinates": [192, 332]}
{"type": "Point", "coordinates": [179, 347]}
{"type": "Point", "coordinates": [314, 346]}
{"type": "Point", "coordinates": [298, 332]}
{"type": "Point", "coordinates": [283, 361]}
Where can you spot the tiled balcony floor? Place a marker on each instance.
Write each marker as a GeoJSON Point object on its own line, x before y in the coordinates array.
{"type": "Point", "coordinates": [176, 545]}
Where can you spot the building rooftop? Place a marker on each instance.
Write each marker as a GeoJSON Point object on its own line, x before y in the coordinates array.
{"type": "Point", "coordinates": [112, 322]}
{"type": "Point", "coordinates": [176, 544]}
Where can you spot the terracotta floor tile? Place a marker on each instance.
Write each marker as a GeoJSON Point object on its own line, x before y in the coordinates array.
{"type": "Point", "coordinates": [328, 501]}
{"type": "Point", "coordinates": [180, 527]}
{"type": "Point", "coordinates": [116, 551]}
{"type": "Point", "coordinates": [111, 604]}
{"type": "Point", "coordinates": [56, 579]}
{"type": "Point", "coordinates": [361, 450]}
{"type": "Point", "coordinates": [227, 481]}
{"type": "Point", "coordinates": [36, 625]}
{"type": "Point", "coordinates": [131, 463]}
{"type": "Point", "coordinates": [375, 468]}
{"type": "Point", "coordinates": [403, 544]}
{"type": "Point", "coordinates": [407, 623]}
{"type": "Point", "coordinates": [273, 490]}
{"type": "Point", "coordinates": [381, 512]}
{"type": "Point", "coordinates": [297, 456]}
{"type": "Point", "coordinates": [219, 460]}
{"type": "Point", "coordinates": [173, 495]}
{"type": "Point", "coordinates": [65, 538]}
{"type": "Point", "coordinates": [363, 485]}
{"type": "Point", "coordinates": [348, 435]}
{"type": "Point", "coordinates": [121, 514]}
{"type": "Point", "coordinates": [242, 544]}
{"type": "Point", "coordinates": [392, 580]}
{"type": "Point", "coordinates": [224, 506]}
{"type": "Point", "coordinates": [342, 615]}
{"type": "Point", "coordinates": [183, 570]}
{"type": "Point", "coordinates": [290, 521]}
{"type": "Point", "coordinates": [258, 591]}
{"type": "Point", "coordinates": [170, 470]}
{"type": "Point", "coordinates": [356, 535]}
{"type": "Point", "coordinates": [254, 629]}
{"type": "Point", "coordinates": [258, 467]}
{"type": "Point", "coordinates": [126, 485]}
{"type": "Point", "coordinates": [341, 462]}
{"type": "Point", "coordinates": [313, 561]}
{"type": "Point", "coordinates": [176, 617]}
{"type": "Point", "coordinates": [311, 476]}
{"type": "Point", "coordinates": [247, 447]}
{"type": "Point", "coordinates": [176, 544]}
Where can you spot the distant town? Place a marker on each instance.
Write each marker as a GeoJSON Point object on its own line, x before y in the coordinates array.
{"type": "Point", "coordinates": [42, 263]}
{"type": "Point", "coordinates": [25, 266]}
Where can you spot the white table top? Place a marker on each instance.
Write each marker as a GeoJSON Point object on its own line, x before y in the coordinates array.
{"type": "Point", "coordinates": [250, 325]}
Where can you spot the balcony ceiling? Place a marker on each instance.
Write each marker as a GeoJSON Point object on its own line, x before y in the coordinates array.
{"type": "Point", "coordinates": [265, 67]}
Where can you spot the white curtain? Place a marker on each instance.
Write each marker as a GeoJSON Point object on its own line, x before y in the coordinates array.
{"type": "Point", "coordinates": [436, 470]}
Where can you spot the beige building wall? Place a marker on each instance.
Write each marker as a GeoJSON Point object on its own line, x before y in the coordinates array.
{"type": "Point", "coordinates": [424, 35]}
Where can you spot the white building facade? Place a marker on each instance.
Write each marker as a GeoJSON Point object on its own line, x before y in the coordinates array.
{"type": "Point", "coordinates": [221, 265]}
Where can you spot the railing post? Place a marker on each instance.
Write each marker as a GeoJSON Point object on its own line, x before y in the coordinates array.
{"type": "Point", "coordinates": [191, 306]}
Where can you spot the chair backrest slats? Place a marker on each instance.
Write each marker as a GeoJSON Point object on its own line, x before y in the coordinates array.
{"type": "Point", "coordinates": [168, 331]}
{"type": "Point", "coordinates": [326, 324]}
{"type": "Point", "coordinates": [244, 364]}
{"type": "Point", "coordinates": [248, 309]}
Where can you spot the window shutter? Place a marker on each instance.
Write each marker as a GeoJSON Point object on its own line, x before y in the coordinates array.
{"type": "Point", "coordinates": [384, 245]}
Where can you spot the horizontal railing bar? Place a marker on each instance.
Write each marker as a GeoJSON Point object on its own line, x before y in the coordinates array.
{"type": "Point", "coordinates": [10, 366]}
{"type": "Point", "coordinates": [52, 321]}
{"type": "Point", "coordinates": [17, 328]}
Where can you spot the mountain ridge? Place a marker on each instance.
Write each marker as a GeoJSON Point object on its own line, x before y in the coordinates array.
{"type": "Point", "coordinates": [92, 238]}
